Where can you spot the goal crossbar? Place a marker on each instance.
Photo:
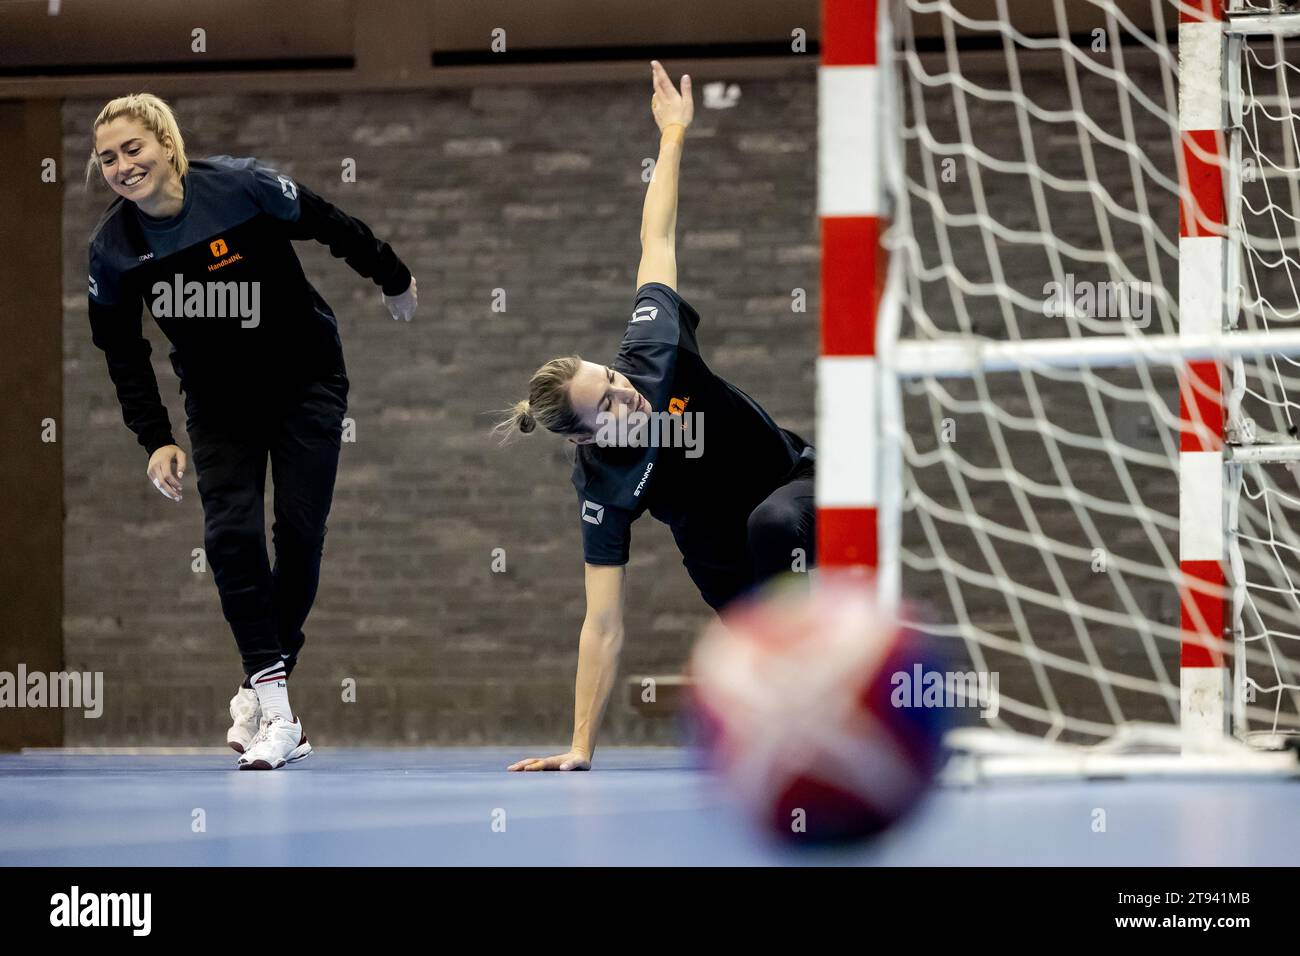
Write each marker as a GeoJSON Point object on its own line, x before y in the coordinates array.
{"type": "Point", "coordinates": [1272, 25]}
{"type": "Point", "coordinates": [918, 358]}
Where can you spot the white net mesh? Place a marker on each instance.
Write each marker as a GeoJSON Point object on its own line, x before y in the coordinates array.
{"type": "Point", "coordinates": [1265, 549]}
{"type": "Point", "coordinates": [1035, 192]}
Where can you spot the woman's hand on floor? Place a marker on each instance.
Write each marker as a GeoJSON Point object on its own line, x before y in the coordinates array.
{"type": "Point", "coordinates": [573, 760]}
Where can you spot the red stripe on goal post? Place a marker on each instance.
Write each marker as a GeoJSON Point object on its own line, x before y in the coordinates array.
{"type": "Point", "coordinates": [1202, 614]}
{"type": "Point", "coordinates": [853, 270]}
{"type": "Point", "coordinates": [849, 32]}
{"type": "Point", "coordinates": [1200, 407]}
{"type": "Point", "coordinates": [1199, 11]}
{"type": "Point", "coordinates": [1201, 210]}
{"type": "Point", "coordinates": [847, 537]}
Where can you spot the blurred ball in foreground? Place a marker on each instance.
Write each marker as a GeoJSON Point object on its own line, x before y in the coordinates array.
{"type": "Point", "coordinates": [797, 704]}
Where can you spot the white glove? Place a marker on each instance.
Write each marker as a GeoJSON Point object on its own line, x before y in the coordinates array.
{"type": "Point", "coordinates": [402, 306]}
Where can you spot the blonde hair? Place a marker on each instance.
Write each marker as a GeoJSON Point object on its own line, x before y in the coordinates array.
{"type": "Point", "coordinates": [152, 113]}
{"type": "Point", "coordinates": [547, 403]}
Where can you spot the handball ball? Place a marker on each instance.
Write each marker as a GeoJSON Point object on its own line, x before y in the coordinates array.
{"type": "Point", "coordinates": [792, 700]}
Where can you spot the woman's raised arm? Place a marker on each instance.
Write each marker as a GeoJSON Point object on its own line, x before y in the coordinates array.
{"type": "Point", "coordinates": [673, 112]}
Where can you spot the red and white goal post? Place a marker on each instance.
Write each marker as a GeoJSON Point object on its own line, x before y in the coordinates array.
{"type": "Point", "coordinates": [1061, 432]}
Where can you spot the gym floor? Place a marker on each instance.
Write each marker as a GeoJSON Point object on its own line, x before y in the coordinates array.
{"type": "Point", "coordinates": [640, 807]}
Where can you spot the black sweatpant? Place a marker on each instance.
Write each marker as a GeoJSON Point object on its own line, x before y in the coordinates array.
{"type": "Point", "coordinates": [300, 431]}
{"type": "Point", "coordinates": [727, 556]}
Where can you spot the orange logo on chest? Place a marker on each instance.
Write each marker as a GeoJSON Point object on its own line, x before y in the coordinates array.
{"type": "Point", "coordinates": [223, 255]}
{"type": "Point", "coordinates": [677, 406]}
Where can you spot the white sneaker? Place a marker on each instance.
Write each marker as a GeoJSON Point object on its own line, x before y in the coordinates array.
{"type": "Point", "coordinates": [246, 713]}
{"type": "Point", "coordinates": [277, 743]}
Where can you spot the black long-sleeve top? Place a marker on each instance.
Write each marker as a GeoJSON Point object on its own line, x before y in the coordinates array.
{"type": "Point", "coordinates": [744, 458]}
{"type": "Point", "coordinates": [223, 283]}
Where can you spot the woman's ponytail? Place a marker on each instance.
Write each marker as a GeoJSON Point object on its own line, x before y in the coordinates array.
{"type": "Point", "coordinates": [523, 418]}
{"type": "Point", "coordinates": [547, 403]}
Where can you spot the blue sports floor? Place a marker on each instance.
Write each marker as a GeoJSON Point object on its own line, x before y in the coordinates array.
{"type": "Point", "coordinates": [640, 807]}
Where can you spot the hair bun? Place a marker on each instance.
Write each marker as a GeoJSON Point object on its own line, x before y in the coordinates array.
{"type": "Point", "coordinates": [526, 422]}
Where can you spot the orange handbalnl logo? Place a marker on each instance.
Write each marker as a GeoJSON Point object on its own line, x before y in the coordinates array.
{"type": "Point", "coordinates": [677, 406]}
{"type": "Point", "coordinates": [219, 248]}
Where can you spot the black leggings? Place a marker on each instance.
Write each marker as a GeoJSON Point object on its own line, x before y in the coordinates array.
{"type": "Point", "coordinates": [267, 605]}
{"type": "Point", "coordinates": [783, 524]}
{"type": "Point", "coordinates": [729, 557]}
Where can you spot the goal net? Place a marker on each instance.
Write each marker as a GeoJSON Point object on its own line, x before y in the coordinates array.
{"type": "Point", "coordinates": [1088, 343]}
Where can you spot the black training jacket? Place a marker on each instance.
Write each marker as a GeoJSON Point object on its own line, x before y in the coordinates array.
{"type": "Point", "coordinates": [223, 283]}
{"type": "Point", "coordinates": [741, 458]}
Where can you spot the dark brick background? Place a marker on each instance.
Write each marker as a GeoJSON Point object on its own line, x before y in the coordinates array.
{"type": "Point", "coordinates": [536, 191]}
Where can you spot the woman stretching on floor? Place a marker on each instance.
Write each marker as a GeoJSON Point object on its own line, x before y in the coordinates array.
{"type": "Point", "coordinates": [740, 506]}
